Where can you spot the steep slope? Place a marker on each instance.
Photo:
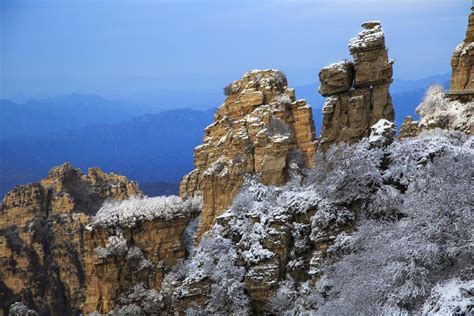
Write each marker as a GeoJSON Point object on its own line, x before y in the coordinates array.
{"type": "Point", "coordinates": [370, 231]}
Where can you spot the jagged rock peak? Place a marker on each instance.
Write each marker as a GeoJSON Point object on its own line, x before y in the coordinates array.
{"type": "Point", "coordinates": [64, 190]}
{"type": "Point", "coordinates": [259, 129]}
{"type": "Point", "coordinates": [357, 91]}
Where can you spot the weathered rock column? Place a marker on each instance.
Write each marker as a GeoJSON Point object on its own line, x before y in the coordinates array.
{"type": "Point", "coordinates": [358, 91]}
{"type": "Point", "coordinates": [260, 129]}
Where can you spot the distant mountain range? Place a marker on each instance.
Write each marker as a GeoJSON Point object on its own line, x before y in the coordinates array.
{"type": "Point", "coordinates": [143, 142]}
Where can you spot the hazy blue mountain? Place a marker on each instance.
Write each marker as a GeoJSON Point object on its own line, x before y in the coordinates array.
{"type": "Point", "coordinates": [148, 148]}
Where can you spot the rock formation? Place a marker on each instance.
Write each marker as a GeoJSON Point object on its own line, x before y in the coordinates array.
{"type": "Point", "coordinates": [358, 91]}
{"type": "Point", "coordinates": [462, 63]}
{"type": "Point", "coordinates": [50, 251]}
{"type": "Point", "coordinates": [382, 133]}
{"type": "Point", "coordinates": [409, 127]}
{"type": "Point", "coordinates": [260, 129]}
{"type": "Point", "coordinates": [75, 244]}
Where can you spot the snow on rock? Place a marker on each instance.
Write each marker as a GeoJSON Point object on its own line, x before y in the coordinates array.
{"type": "Point", "coordinates": [452, 297]}
{"type": "Point", "coordinates": [372, 36]}
{"type": "Point", "coordinates": [382, 133]}
{"type": "Point", "coordinates": [129, 213]}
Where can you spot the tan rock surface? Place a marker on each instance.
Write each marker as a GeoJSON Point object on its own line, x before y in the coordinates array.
{"type": "Point", "coordinates": [259, 129]}
{"type": "Point", "coordinates": [409, 128]}
{"type": "Point", "coordinates": [336, 78]}
{"type": "Point", "coordinates": [41, 242]}
{"type": "Point", "coordinates": [349, 115]}
{"type": "Point", "coordinates": [462, 63]}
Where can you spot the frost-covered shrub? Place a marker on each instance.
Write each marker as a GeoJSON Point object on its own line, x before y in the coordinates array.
{"type": "Point", "coordinates": [139, 301]}
{"type": "Point", "coordinates": [230, 89]}
{"type": "Point", "coordinates": [129, 213]}
{"type": "Point", "coordinates": [438, 111]}
{"type": "Point", "coordinates": [435, 101]}
{"type": "Point", "coordinates": [280, 78]}
{"type": "Point", "coordinates": [329, 219]}
{"type": "Point", "coordinates": [20, 309]}
{"type": "Point", "coordinates": [347, 174]}
{"type": "Point", "coordinates": [394, 264]}
{"type": "Point", "coordinates": [116, 246]}
{"type": "Point", "coordinates": [214, 259]}
{"type": "Point", "coordinates": [409, 157]}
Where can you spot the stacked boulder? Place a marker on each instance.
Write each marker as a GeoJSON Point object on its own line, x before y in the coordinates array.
{"type": "Point", "coordinates": [260, 129]}
{"type": "Point", "coordinates": [358, 92]}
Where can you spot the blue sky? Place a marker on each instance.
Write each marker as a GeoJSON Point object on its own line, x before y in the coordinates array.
{"type": "Point", "coordinates": [119, 47]}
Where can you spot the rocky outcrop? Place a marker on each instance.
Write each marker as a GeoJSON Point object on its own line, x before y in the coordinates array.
{"type": "Point", "coordinates": [261, 128]}
{"type": "Point", "coordinates": [462, 63]}
{"type": "Point", "coordinates": [409, 128]}
{"type": "Point", "coordinates": [66, 190]}
{"type": "Point", "coordinates": [382, 133]}
{"type": "Point", "coordinates": [358, 91]}
{"type": "Point", "coordinates": [75, 243]}
{"type": "Point", "coordinates": [135, 242]}
{"type": "Point", "coordinates": [41, 242]}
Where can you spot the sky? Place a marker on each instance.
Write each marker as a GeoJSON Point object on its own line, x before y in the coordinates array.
{"type": "Point", "coordinates": [121, 47]}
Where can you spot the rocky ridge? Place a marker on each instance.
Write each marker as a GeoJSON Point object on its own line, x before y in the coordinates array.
{"type": "Point", "coordinates": [453, 110]}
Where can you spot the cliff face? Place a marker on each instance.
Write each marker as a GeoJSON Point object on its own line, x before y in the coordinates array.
{"type": "Point", "coordinates": [462, 63]}
{"type": "Point", "coordinates": [50, 252]}
{"type": "Point", "coordinates": [358, 91]}
{"type": "Point", "coordinates": [259, 129]}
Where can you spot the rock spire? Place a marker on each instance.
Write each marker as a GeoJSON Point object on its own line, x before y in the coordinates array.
{"type": "Point", "coordinates": [259, 129]}
{"type": "Point", "coordinates": [358, 90]}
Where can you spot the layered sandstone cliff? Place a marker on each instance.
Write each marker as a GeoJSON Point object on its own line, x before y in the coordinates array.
{"type": "Point", "coordinates": [357, 91]}
{"type": "Point", "coordinates": [261, 128]}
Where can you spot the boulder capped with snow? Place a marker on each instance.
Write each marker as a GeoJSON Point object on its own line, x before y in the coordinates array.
{"type": "Point", "coordinates": [382, 133]}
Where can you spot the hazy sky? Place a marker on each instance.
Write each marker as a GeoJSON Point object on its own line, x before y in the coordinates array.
{"type": "Point", "coordinates": [118, 47]}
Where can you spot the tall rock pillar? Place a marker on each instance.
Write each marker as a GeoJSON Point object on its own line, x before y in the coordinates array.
{"type": "Point", "coordinates": [358, 91]}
